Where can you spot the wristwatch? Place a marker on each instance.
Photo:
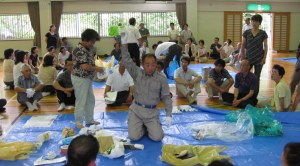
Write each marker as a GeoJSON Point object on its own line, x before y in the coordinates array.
{"type": "Point", "coordinates": [130, 94]}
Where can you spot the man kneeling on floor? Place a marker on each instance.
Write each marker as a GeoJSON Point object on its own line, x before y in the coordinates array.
{"type": "Point", "coordinates": [185, 83]}
{"type": "Point", "coordinates": [120, 81]}
{"type": "Point", "coordinates": [245, 88]}
{"type": "Point", "coordinates": [64, 87]}
{"type": "Point", "coordinates": [219, 80]}
{"type": "Point", "coordinates": [282, 94]}
{"type": "Point", "coordinates": [29, 88]}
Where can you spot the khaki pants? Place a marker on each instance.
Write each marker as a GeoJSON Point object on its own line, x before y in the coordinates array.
{"type": "Point", "coordinates": [223, 55]}
{"type": "Point", "coordinates": [183, 89]}
{"type": "Point", "coordinates": [211, 91]}
{"type": "Point", "coordinates": [263, 103]}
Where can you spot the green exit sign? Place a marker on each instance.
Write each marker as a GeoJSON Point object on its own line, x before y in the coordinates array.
{"type": "Point", "coordinates": [259, 7]}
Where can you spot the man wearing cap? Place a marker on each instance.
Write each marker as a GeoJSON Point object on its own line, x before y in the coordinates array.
{"type": "Point", "coordinates": [144, 32]}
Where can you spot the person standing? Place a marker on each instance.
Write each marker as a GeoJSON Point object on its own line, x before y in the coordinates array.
{"type": "Point", "coordinates": [133, 41]}
{"type": "Point", "coordinates": [255, 41]}
{"type": "Point", "coordinates": [185, 34]}
{"type": "Point", "coordinates": [51, 37]}
{"type": "Point", "coordinates": [83, 72]}
{"type": "Point", "coordinates": [144, 32]}
{"type": "Point", "coordinates": [173, 34]}
{"type": "Point", "coordinates": [247, 26]}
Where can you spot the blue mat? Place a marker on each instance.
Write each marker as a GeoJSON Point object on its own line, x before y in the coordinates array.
{"type": "Point", "coordinates": [254, 152]}
{"type": "Point", "coordinates": [294, 60]}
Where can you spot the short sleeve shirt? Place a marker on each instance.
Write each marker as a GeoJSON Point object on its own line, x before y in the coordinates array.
{"type": "Point", "coordinates": [82, 55]}
{"type": "Point", "coordinates": [245, 84]}
{"type": "Point", "coordinates": [116, 53]}
{"type": "Point", "coordinates": [51, 39]}
{"type": "Point", "coordinates": [219, 78]}
{"type": "Point", "coordinates": [67, 46]}
{"type": "Point", "coordinates": [133, 34]}
{"type": "Point", "coordinates": [185, 76]}
{"type": "Point", "coordinates": [213, 47]}
{"type": "Point", "coordinates": [119, 82]}
{"type": "Point", "coordinates": [64, 80]}
{"type": "Point", "coordinates": [282, 89]}
{"type": "Point", "coordinates": [32, 82]}
{"type": "Point", "coordinates": [186, 34]}
{"type": "Point", "coordinates": [254, 46]}
{"type": "Point", "coordinates": [144, 31]}
{"type": "Point", "coordinates": [62, 58]}
{"type": "Point", "coordinates": [173, 33]}
{"type": "Point", "coordinates": [34, 59]}
{"type": "Point", "coordinates": [47, 74]}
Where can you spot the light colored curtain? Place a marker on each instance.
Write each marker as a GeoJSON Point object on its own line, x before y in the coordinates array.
{"type": "Point", "coordinates": [34, 14]}
{"type": "Point", "coordinates": [56, 12]}
{"type": "Point", "coordinates": [181, 13]}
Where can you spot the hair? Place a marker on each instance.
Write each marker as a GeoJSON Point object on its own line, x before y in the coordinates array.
{"type": "Point", "coordinates": [171, 23]}
{"type": "Point", "coordinates": [220, 62]}
{"type": "Point", "coordinates": [220, 163]}
{"type": "Point", "coordinates": [239, 43]}
{"type": "Point", "coordinates": [188, 59]}
{"type": "Point", "coordinates": [26, 52]}
{"type": "Point", "coordinates": [48, 60]}
{"type": "Point", "coordinates": [16, 51]}
{"type": "Point", "coordinates": [61, 48]}
{"type": "Point", "coordinates": [190, 39]}
{"type": "Point", "coordinates": [50, 48]}
{"type": "Point", "coordinates": [33, 48]}
{"type": "Point", "coordinates": [185, 25]}
{"type": "Point", "coordinates": [68, 59]}
{"type": "Point", "coordinates": [247, 18]}
{"type": "Point", "coordinates": [159, 42]}
{"type": "Point", "coordinates": [8, 52]}
{"type": "Point", "coordinates": [291, 153]}
{"type": "Point", "coordinates": [161, 64]}
{"type": "Point", "coordinates": [154, 45]}
{"type": "Point", "coordinates": [116, 44]}
{"type": "Point", "coordinates": [20, 57]}
{"type": "Point", "coordinates": [64, 38]}
{"type": "Point", "coordinates": [51, 27]}
{"type": "Point", "coordinates": [257, 18]}
{"type": "Point", "coordinates": [217, 38]}
{"type": "Point", "coordinates": [148, 56]}
{"type": "Point", "coordinates": [132, 21]}
{"type": "Point", "coordinates": [229, 41]}
{"type": "Point", "coordinates": [89, 35]}
{"type": "Point", "coordinates": [82, 150]}
{"type": "Point", "coordinates": [202, 41]}
{"type": "Point", "coordinates": [24, 65]}
{"type": "Point", "coordinates": [280, 70]}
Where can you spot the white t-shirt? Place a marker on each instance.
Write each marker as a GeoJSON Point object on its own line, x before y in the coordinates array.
{"type": "Point", "coordinates": [119, 82]}
{"type": "Point", "coordinates": [144, 49]}
{"type": "Point", "coordinates": [133, 34]}
{"type": "Point", "coordinates": [62, 58]}
{"type": "Point", "coordinates": [163, 48]}
{"type": "Point", "coordinates": [17, 71]}
{"type": "Point", "coordinates": [246, 27]}
{"type": "Point", "coordinates": [281, 90]}
{"type": "Point", "coordinates": [173, 33]}
{"type": "Point", "coordinates": [229, 49]}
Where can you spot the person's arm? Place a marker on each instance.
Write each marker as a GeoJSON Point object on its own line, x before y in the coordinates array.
{"type": "Point", "coordinates": [211, 82]}
{"type": "Point", "coordinates": [231, 81]}
{"type": "Point", "coordinates": [39, 87]}
{"type": "Point", "coordinates": [129, 98]}
{"type": "Point", "coordinates": [169, 35]}
{"type": "Point", "coordinates": [197, 78]}
{"type": "Point", "coordinates": [186, 49]}
{"type": "Point", "coordinates": [281, 103]}
{"type": "Point", "coordinates": [265, 51]}
{"type": "Point", "coordinates": [166, 98]}
{"type": "Point", "coordinates": [19, 89]}
{"type": "Point", "coordinates": [88, 67]}
{"type": "Point", "coordinates": [128, 63]}
{"type": "Point", "coordinates": [57, 86]}
{"type": "Point", "coordinates": [194, 49]}
{"type": "Point", "coordinates": [182, 39]}
{"type": "Point", "coordinates": [30, 63]}
{"type": "Point", "coordinates": [46, 40]}
{"type": "Point", "coordinates": [180, 81]}
{"type": "Point", "coordinates": [243, 48]}
{"type": "Point", "coordinates": [296, 102]}
{"type": "Point", "coordinates": [140, 41]}
{"type": "Point", "coordinates": [107, 89]}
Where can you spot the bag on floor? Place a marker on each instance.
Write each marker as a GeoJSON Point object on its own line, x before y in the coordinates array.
{"type": "Point", "coordinates": [16, 150]}
{"type": "Point", "coordinates": [204, 155]}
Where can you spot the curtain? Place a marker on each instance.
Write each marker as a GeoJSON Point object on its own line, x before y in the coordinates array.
{"type": "Point", "coordinates": [34, 14]}
{"type": "Point", "coordinates": [181, 14]}
{"type": "Point", "coordinates": [56, 12]}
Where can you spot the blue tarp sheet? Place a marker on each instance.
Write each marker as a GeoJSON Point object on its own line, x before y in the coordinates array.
{"type": "Point", "coordinates": [294, 60]}
{"type": "Point", "coordinates": [254, 152]}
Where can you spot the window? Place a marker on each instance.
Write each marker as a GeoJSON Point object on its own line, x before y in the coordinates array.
{"type": "Point", "coordinates": [72, 24]}
{"type": "Point", "coordinates": [15, 27]}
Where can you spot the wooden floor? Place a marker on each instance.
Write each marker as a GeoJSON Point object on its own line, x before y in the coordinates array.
{"type": "Point", "coordinates": [49, 104]}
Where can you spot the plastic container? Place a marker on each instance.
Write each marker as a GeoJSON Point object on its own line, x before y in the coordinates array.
{"type": "Point", "coordinates": [44, 136]}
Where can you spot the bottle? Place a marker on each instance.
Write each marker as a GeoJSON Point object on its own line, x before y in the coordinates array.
{"type": "Point", "coordinates": [44, 136]}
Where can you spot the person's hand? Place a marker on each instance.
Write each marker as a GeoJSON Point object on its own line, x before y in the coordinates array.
{"type": "Point", "coordinates": [69, 94]}
{"type": "Point", "coordinates": [235, 103]}
{"type": "Point", "coordinates": [99, 69]}
{"type": "Point", "coordinates": [223, 90]}
{"type": "Point", "coordinates": [30, 93]}
{"type": "Point", "coordinates": [168, 121]}
{"type": "Point", "coordinates": [36, 68]}
{"type": "Point", "coordinates": [129, 99]}
{"type": "Point", "coordinates": [263, 61]}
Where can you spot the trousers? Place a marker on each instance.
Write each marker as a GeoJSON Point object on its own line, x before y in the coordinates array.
{"type": "Point", "coordinates": [229, 97]}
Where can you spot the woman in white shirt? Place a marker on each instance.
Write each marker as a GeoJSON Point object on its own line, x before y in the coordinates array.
{"type": "Point", "coordinates": [190, 49]}
{"type": "Point", "coordinates": [18, 65]}
{"type": "Point", "coordinates": [202, 53]}
{"type": "Point", "coordinates": [8, 65]}
{"type": "Point", "coordinates": [144, 49]}
{"type": "Point", "coordinates": [63, 55]}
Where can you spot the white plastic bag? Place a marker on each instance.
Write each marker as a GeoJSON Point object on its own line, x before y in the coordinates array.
{"type": "Point", "coordinates": [116, 152]}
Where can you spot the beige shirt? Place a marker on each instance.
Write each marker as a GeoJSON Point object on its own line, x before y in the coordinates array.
{"type": "Point", "coordinates": [193, 49]}
{"type": "Point", "coordinates": [8, 67]}
{"type": "Point", "coordinates": [47, 74]}
{"type": "Point", "coordinates": [281, 90]}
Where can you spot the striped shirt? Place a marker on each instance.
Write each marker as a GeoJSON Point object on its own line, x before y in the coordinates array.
{"type": "Point", "coordinates": [219, 78]}
{"type": "Point", "coordinates": [32, 82]}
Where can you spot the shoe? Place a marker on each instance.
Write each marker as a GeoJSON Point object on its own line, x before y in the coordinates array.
{"type": "Point", "coordinates": [35, 107]}
{"type": "Point", "coordinates": [226, 103]}
{"type": "Point", "coordinates": [30, 107]}
{"type": "Point", "coordinates": [220, 98]}
{"type": "Point", "coordinates": [61, 107]}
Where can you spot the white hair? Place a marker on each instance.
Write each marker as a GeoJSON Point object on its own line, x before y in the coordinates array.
{"type": "Point", "coordinates": [24, 65]}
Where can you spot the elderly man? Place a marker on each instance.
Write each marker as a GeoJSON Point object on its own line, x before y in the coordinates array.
{"type": "Point", "coordinates": [245, 88]}
{"type": "Point", "coordinates": [29, 88]}
{"type": "Point", "coordinates": [185, 83]}
{"type": "Point", "coordinates": [281, 99]}
{"type": "Point", "coordinates": [144, 32]}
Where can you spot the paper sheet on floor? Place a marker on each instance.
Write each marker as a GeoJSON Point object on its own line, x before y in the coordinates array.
{"type": "Point", "coordinates": [40, 121]}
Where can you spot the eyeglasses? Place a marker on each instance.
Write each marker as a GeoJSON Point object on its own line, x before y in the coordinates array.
{"type": "Point", "coordinates": [275, 72]}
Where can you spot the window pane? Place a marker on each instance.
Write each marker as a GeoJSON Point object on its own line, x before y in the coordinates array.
{"type": "Point", "coordinates": [68, 25]}
{"type": "Point", "coordinates": [88, 20]}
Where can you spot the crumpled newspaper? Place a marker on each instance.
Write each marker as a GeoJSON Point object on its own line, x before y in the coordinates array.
{"type": "Point", "coordinates": [68, 132]}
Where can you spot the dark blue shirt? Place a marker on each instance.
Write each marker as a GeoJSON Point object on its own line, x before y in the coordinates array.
{"type": "Point", "coordinates": [245, 84]}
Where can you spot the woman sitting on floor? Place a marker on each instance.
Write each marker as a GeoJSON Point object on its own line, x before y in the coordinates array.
{"type": "Point", "coordinates": [8, 65]}
{"type": "Point", "coordinates": [62, 56]}
{"type": "Point", "coordinates": [51, 51]}
{"type": "Point", "coordinates": [34, 60]}
{"type": "Point", "coordinates": [202, 53]}
{"type": "Point", "coordinates": [47, 75]}
{"type": "Point", "coordinates": [190, 49]}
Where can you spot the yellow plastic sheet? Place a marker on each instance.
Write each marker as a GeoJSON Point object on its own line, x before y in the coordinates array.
{"type": "Point", "coordinates": [203, 154]}
{"type": "Point", "coordinates": [15, 150]}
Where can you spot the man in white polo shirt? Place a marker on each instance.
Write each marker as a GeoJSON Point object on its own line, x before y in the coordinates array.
{"type": "Point", "coordinates": [133, 41]}
{"type": "Point", "coordinates": [247, 25]}
{"type": "Point", "coordinates": [121, 82]}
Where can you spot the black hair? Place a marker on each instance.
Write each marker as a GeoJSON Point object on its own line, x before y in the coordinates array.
{"type": "Point", "coordinates": [48, 60]}
{"type": "Point", "coordinates": [132, 21]}
{"type": "Point", "coordinates": [148, 56]}
{"type": "Point", "coordinates": [229, 41]}
{"type": "Point", "coordinates": [68, 59]}
{"type": "Point", "coordinates": [51, 27]}
{"type": "Point", "coordinates": [120, 58]}
{"type": "Point", "coordinates": [159, 42]}
{"type": "Point", "coordinates": [20, 57]}
{"type": "Point", "coordinates": [184, 25]}
{"type": "Point", "coordinates": [50, 48]}
{"type": "Point", "coordinates": [247, 18]}
{"type": "Point", "coordinates": [291, 153]}
{"type": "Point", "coordinates": [16, 51]}
{"type": "Point", "coordinates": [89, 35]}
{"type": "Point", "coordinates": [61, 48]}
{"type": "Point", "coordinates": [257, 18]}
{"type": "Point", "coordinates": [116, 44]}
{"type": "Point", "coordinates": [188, 59]}
{"type": "Point", "coordinates": [33, 48]}
{"type": "Point", "coordinates": [190, 39]}
{"type": "Point", "coordinates": [26, 52]}
{"type": "Point", "coordinates": [202, 41]}
{"type": "Point", "coordinates": [220, 163]}
{"type": "Point", "coordinates": [82, 150]}
{"type": "Point", "coordinates": [161, 64]}
{"type": "Point", "coordinates": [171, 23]}
{"type": "Point", "coordinates": [64, 38]}
{"type": "Point", "coordinates": [8, 52]}
{"type": "Point", "coordinates": [280, 70]}
{"type": "Point", "coordinates": [217, 38]}
{"type": "Point", "coordinates": [220, 62]}
{"type": "Point", "coordinates": [154, 45]}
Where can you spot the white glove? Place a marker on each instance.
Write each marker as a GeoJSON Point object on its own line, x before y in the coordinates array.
{"type": "Point", "coordinates": [168, 121]}
{"type": "Point", "coordinates": [30, 93]}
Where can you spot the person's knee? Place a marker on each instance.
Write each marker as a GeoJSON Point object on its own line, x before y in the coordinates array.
{"type": "Point", "coordinates": [157, 137]}
{"type": "Point", "coordinates": [134, 136]}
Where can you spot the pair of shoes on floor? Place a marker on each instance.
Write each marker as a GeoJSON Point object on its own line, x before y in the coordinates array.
{"type": "Point", "coordinates": [45, 93]}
